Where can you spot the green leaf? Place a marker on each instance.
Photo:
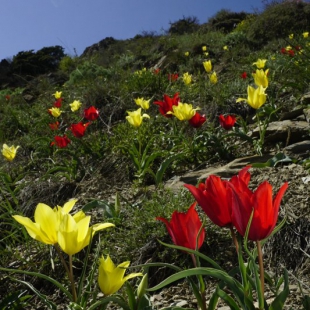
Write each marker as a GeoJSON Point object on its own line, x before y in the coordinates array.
{"type": "Point", "coordinates": [229, 301]}
{"type": "Point", "coordinates": [272, 162]}
{"type": "Point", "coordinates": [164, 165]}
{"type": "Point", "coordinates": [279, 301]}
{"type": "Point", "coordinates": [131, 296]}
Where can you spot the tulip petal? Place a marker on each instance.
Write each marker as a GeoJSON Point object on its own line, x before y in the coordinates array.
{"type": "Point", "coordinates": [68, 206]}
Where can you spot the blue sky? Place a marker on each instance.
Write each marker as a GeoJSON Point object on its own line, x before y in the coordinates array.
{"type": "Point", "coordinates": [76, 24]}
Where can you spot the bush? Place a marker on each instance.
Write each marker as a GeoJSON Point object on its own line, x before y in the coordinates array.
{"type": "Point", "coordinates": [184, 25]}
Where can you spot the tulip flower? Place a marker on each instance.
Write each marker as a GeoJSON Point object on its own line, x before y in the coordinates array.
{"type": "Point", "coordinates": [78, 129]}
{"type": "Point", "coordinates": [91, 113]}
{"type": "Point", "coordinates": [256, 97]}
{"type": "Point", "coordinates": [56, 112]}
{"type": "Point", "coordinates": [183, 111]}
{"type": "Point", "coordinates": [135, 118]}
{"type": "Point", "coordinates": [54, 126]}
{"type": "Point", "coordinates": [75, 105]}
{"type": "Point", "coordinates": [7, 97]}
{"type": "Point", "coordinates": [204, 48]}
{"type": "Point", "coordinates": [46, 221]}
{"type": "Point", "coordinates": [213, 196]}
{"type": "Point", "coordinates": [227, 122]}
{"type": "Point", "coordinates": [74, 233]}
{"type": "Point", "coordinates": [57, 103]}
{"type": "Point", "coordinates": [213, 78]}
{"type": "Point", "coordinates": [57, 95]}
{"type": "Point", "coordinates": [261, 77]}
{"type": "Point", "coordinates": [244, 75]}
{"type": "Point", "coordinates": [144, 104]}
{"type": "Point", "coordinates": [184, 227]}
{"type": "Point", "coordinates": [266, 210]}
{"type": "Point", "coordinates": [187, 78]}
{"type": "Point", "coordinates": [110, 277]}
{"type": "Point", "coordinates": [186, 54]}
{"type": "Point", "coordinates": [291, 36]}
{"type": "Point", "coordinates": [166, 105]}
{"type": "Point", "coordinates": [306, 34]}
{"type": "Point", "coordinates": [260, 63]}
{"type": "Point", "coordinates": [61, 142]}
{"type": "Point", "coordinates": [207, 65]}
{"type": "Point", "coordinates": [9, 152]}
{"type": "Point", "coordinates": [197, 120]}
{"type": "Point", "coordinates": [172, 77]}
{"type": "Point", "coordinates": [225, 48]}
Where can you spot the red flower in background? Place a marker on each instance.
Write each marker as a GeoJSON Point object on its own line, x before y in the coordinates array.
{"type": "Point", "coordinates": [61, 142]}
{"type": "Point", "coordinates": [57, 103]}
{"type": "Point", "coordinates": [156, 71]}
{"type": "Point", "coordinates": [7, 97]}
{"type": "Point", "coordinates": [184, 228]}
{"type": "Point", "coordinates": [265, 209]}
{"type": "Point", "coordinates": [291, 53]}
{"type": "Point", "coordinates": [197, 120]}
{"type": "Point", "coordinates": [91, 113]}
{"type": "Point", "coordinates": [172, 77]}
{"type": "Point", "coordinates": [244, 75]}
{"type": "Point", "coordinates": [227, 122]}
{"type": "Point", "coordinates": [54, 126]}
{"type": "Point", "coordinates": [214, 197]}
{"type": "Point", "coordinates": [78, 129]}
{"type": "Point", "coordinates": [166, 105]}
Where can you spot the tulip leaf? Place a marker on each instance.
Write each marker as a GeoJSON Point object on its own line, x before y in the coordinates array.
{"type": "Point", "coordinates": [164, 165]}
{"type": "Point", "coordinates": [279, 301]}
{"type": "Point", "coordinates": [229, 301]}
{"type": "Point", "coordinates": [272, 162]}
{"type": "Point", "coordinates": [306, 302]}
{"type": "Point", "coordinates": [106, 300]}
{"type": "Point", "coordinates": [108, 209]}
{"type": "Point", "coordinates": [15, 300]}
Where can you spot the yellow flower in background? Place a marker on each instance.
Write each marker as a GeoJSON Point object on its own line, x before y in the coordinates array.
{"type": "Point", "coordinates": [46, 221]}
{"type": "Point", "coordinates": [206, 54]}
{"type": "Point", "coordinates": [291, 36]}
{"type": "Point", "coordinates": [57, 95]}
{"type": "Point", "coordinates": [256, 97]}
{"type": "Point", "coordinates": [135, 118]}
{"type": "Point", "coordinates": [75, 105]}
{"type": "Point", "coordinates": [306, 34]}
{"type": "Point", "coordinates": [288, 48]}
{"type": "Point", "coordinates": [186, 54]}
{"type": "Point", "coordinates": [261, 77]}
{"type": "Point", "coordinates": [183, 111]}
{"type": "Point", "coordinates": [9, 152]}
{"type": "Point", "coordinates": [213, 78]}
{"type": "Point", "coordinates": [140, 72]}
{"type": "Point", "coordinates": [207, 65]}
{"type": "Point", "coordinates": [110, 277]}
{"type": "Point", "coordinates": [225, 48]}
{"type": "Point", "coordinates": [204, 48]}
{"type": "Point", "coordinates": [74, 233]}
{"type": "Point", "coordinates": [187, 78]}
{"type": "Point", "coordinates": [56, 112]}
{"type": "Point", "coordinates": [260, 63]}
{"type": "Point", "coordinates": [144, 104]}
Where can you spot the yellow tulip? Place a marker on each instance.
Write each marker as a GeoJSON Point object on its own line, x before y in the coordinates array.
{"type": "Point", "coordinates": [74, 233]}
{"type": "Point", "coordinates": [57, 95]}
{"type": "Point", "coordinates": [204, 48]}
{"type": "Point", "coordinates": [225, 48]}
{"type": "Point", "coordinates": [260, 63]}
{"type": "Point", "coordinates": [144, 104]}
{"type": "Point", "coordinates": [288, 48]}
{"type": "Point", "coordinates": [56, 112]}
{"type": "Point", "coordinates": [186, 54]}
{"type": "Point", "coordinates": [207, 65]}
{"type": "Point", "coordinates": [111, 278]}
{"type": "Point", "coordinates": [306, 34]}
{"type": "Point", "coordinates": [256, 97]}
{"type": "Point", "coordinates": [291, 36]}
{"type": "Point", "coordinates": [9, 152]}
{"type": "Point", "coordinates": [213, 78]}
{"type": "Point", "coordinates": [75, 105]}
{"type": "Point", "coordinates": [187, 78]}
{"type": "Point", "coordinates": [183, 111]}
{"type": "Point", "coordinates": [261, 77]}
{"type": "Point", "coordinates": [135, 118]}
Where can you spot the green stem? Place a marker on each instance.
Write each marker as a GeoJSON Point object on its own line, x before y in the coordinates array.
{"type": "Point", "coordinates": [71, 277]}
{"type": "Point", "coordinates": [261, 269]}
{"type": "Point", "coordinates": [62, 259]}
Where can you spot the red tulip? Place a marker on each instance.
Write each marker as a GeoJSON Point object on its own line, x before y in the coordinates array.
{"type": "Point", "coordinates": [166, 105]}
{"type": "Point", "coordinates": [91, 113]}
{"type": "Point", "coordinates": [265, 209]}
{"type": "Point", "coordinates": [214, 197]}
{"type": "Point", "coordinates": [197, 120]}
{"type": "Point", "coordinates": [184, 228]}
{"type": "Point", "coordinates": [78, 129]}
{"type": "Point", "coordinates": [61, 142]}
{"type": "Point", "coordinates": [54, 126]}
{"type": "Point", "coordinates": [227, 122]}
{"type": "Point", "coordinates": [172, 77]}
{"type": "Point", "coordinates": [244, 75]}
{"type": "Point", "coordinates": [57, 103]}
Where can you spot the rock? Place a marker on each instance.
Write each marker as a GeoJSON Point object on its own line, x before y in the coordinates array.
{"type": "Point", "coordinates": [307, 114]}
{"type": "Point", "coordinates": [299, 148]}
{"type": "Point", "coordinates": [292, 114]}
